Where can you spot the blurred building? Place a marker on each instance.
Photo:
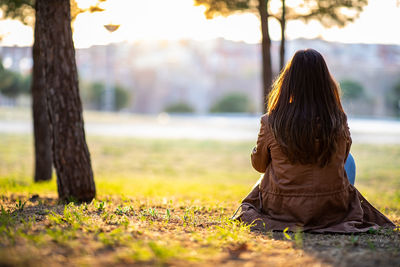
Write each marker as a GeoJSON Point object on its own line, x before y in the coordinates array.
{"type": "Point", "coordinates": [16, 58]}
{"type": "Point", "coordinates": [160, 73]}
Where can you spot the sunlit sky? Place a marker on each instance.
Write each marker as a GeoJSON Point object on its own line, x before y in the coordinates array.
{"type": "Point", "coordinates": [180, 19]}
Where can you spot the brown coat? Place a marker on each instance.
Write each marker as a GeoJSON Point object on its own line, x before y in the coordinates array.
{"type": "Point", "coordinates": [308, 197]}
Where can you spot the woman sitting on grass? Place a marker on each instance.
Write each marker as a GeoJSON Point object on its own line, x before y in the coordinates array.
{"type": "Point", "coordinates": [302, 148]}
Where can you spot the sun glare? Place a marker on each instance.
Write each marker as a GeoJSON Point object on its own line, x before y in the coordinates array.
{"type": "Point", "coordinates": [180, 19]}
{"type": "Point", "coordinates": [161, 20]}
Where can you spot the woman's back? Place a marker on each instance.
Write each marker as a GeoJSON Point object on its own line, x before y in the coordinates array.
{"type": "Point", "coordinates": [301, 193]}
{"type": "Point", "coordinates": [285, 177]}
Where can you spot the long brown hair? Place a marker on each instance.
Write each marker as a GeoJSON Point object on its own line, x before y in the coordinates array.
{"type": "Point", "coordinates": [304, 110]}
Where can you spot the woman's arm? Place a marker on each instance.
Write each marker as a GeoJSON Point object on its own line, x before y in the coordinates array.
{"type": "Point", "coordinates": [260, 156]}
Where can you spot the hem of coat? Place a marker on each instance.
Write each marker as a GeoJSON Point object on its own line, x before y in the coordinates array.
{"type": "Point", "coordinates": [344, 227]}
{"type": "Point", "coordinates": [341, 228]}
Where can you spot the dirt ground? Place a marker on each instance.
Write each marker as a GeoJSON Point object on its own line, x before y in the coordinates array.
{"type": "Point", "coordinates": [39, 231]}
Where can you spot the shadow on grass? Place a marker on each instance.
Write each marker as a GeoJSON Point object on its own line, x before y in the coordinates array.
{"type": "Point", "coordinates": [377, 248]}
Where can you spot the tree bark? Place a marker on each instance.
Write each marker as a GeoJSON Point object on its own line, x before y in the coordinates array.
{"type": "Point", "coordinates": [266, 52]}
{"type": "Point", "coordinates": [283, 39]}
{"type": "Point", "coordinates": [41, 127]}
{"type": "Point", "coordinates": [71, 156]}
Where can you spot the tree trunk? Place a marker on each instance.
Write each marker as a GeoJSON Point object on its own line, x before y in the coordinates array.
{"type": "Point", "coordinates": [71, 156]}
{"type": "Point", "coordinates": [266, 52]}
{"type": "Point", "coordinates": [283, 39]}
{"type": "Point", "coordinates": [41, 127]}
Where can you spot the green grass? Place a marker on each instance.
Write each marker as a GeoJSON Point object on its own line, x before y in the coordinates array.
{"type": "Point", "coordinates": [378, 175]}
{"type": "Point", "coordinates": [162, 202]}
{"type": "Point", "coordinates": [146, 168]}
{"type": "Point", "coordinates": [186, 169]}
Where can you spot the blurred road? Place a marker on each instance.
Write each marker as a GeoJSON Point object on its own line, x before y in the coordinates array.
{"type": "Point", "coordinates": [203, 127]}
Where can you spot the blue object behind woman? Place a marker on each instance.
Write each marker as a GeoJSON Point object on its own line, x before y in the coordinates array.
{"type": "Point", "coordinates": [350, 167]}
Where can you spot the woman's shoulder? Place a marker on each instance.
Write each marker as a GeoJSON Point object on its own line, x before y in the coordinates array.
{"type": "Point", "coordinates": [265, 127]}
{"type": "Point", "coordinates": [264, 119]}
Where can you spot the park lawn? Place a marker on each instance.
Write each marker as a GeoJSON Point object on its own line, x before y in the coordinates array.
{"type": "Point", "coordinates": [168, 202]}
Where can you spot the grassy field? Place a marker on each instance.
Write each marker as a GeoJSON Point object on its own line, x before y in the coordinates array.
{"type": "Point", "coordinates": [168, 202]}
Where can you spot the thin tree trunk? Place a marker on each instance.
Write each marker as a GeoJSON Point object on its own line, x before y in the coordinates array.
{"type": "Point", "coordinates": [41, 127]}
{"type": "Point", "coordinates": [71, 156]}
{"type": "Point", "coordinates": [266, 52]}
{"type": "Point", "coordinates": [283, 39]}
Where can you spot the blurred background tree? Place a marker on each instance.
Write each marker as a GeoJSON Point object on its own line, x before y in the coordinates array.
{"type": "Point", "coordinates": [232, 103]}
{"type": "Point", "coordinates": [393, 99]}
{"type": "Point", "coordinates": [355, 99]}
{"type": "Point", "coordinates": [22, 10]}
{"type": "Point", "coordinates": [13, 84]}
{"type": "Point", "coordinates": [122, 97]}
{"type": "Point", "coordinates": [180, 107]}
{"type": "Point", "coordinates": [93, 95]}
{"type": "Point", "coordinates": [351, 90]}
